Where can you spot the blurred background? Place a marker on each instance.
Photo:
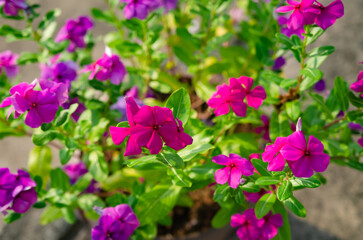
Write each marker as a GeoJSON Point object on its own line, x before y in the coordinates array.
{"type": "Point", "coordinates": [334, 211]}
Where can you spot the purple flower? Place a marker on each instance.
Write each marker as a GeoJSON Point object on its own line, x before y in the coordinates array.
{"type": "Point", "coordinates": [8, 63]}
{"type": "Point", "coordinates": [80, 109]}
{"type": "Point", "coordinates": [329, 14]}
{"type": "Point", "coordinates": [247, 224]}
{"type": "Point", "coordinates": [304, 13]}
{"type": "Point", "coordinates": [77, 170]}
{"type": "Point", "coordinates": [272, 155]}
{"type": "Point", "coordinates": [265, 129]}
{"type": "Point", "coordinates": [166, 4]}
{"type": "Point", "coordinates": [236, 166]}
{"type": "Point", "coordinates": [137, 8]}
{"type": "Point", "coordinates": [16, 191]}
{"type": "Point", "coordinates": [120, 105]}
{"type": "Point", "coordinates": [355, 126]}
{"type": "Point", "coordinates": [107, 67]}
{"type": "Point", "coordinates": [279, 63]}
{"type": "Point", "coordinates": [282, 20]}
{"type": "Point", "coordinates": [75, 31]}
{"type": "Point", "coordinates": [11, 7]}
{"type": "Point", "coordinates": [358, 86]}
{"type": "Point", "coordinates": [304, 159]}
{"type": "Point", "coordinates": [59, 89]}
{"type": "Point", "coordinates": [360, 141]}
{"type": "Point", "coordinates": [320, 85]}
{"type": "Point", "coordinates": [116, 223]}
{"type": "Point", "coordinates": [63, 72]}
{"type": "Point", "coordinates": [269, 225]}
{"type": "Point", "coordinates": [227, 96]}
{"type": "Point", "coordinates": [254, 197]}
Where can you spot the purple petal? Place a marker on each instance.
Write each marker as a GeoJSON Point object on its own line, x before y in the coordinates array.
{"type": "Point", "coordinates": [221, 159]}
{"type": "Point", "coordinates": [301, 167]}
{"type": "Point", "coordinates": [291, 153]}
{"type": "Point", "coordinates": [222, 175]}
{"type": "Point", "coordinates": [314, 145]}
{"type": "Point", "coordinates": [298, 140]}
{"type": "Point", "coordinates": [155, 143]}
{"type": "Point", "coordinates": [235, 177]}
{"type": "Point", "coordinates": [239, 108]}
{"type": "Point", "coordinates": [319, 162]}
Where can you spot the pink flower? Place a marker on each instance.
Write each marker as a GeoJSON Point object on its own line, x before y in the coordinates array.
{"type": "Point", "coordinates": [358, 86]}
{"type": "Point", "coordinates": [265, 129]}
{"type": "Point", "coordinates": [254, 96]}
{"type": "Point", "coordinates": [282, 20]}
{"type": "Point", "coordinates": [304, 159]}
{"type": "Point", "coordinates": [8, 63]}
{"type": "Point", "coordinates": [360, 141]}
{"type": "Point", "coordinates": [273, 155]}
{"type": "Point", "coordinates": [304, 13]}
{"type": "Point", "coordinates": [11, 7]}
{"type": "Point", "coordinates": [254, 197]}
{"type": "Point", "coordinates": [236, 166]}
{"type": "Point", "coordinates": [329, 14]}
{"type": "Point", "coordinates": [232, 95]}
{"type": "Point", "coordinates": [107, 67]}
{"type": "Point", "coordinates": [247, 224]}
{"type": "Point", "coordinates": [269, 225]}
{"type": "Point", "coordinates": [137, 8]}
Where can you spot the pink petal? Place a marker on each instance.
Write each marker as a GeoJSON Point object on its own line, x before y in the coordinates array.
{"type": "Point", "coordinates": [336, 9]}
{"type": "Point", "coordinates": [291, 153]}
{"type": "Point", "coordinates": [247, 82]}
{"type": "Point", "coordinates": [119, 134]}
{"type": "Point", "coordinates": [155, 144]}
{"type": "Point", "coordinates": [237, 220]}
{"type": "Point", "coordinates": [298, 140]}
{"type": "Point", "coordinates": [141, 134]}
{"type": "Point", "coordinates": [325, 20]}
{"type": "Point", "coordinates": [301, 167]}
{"type": "Point", "coordinates": [33, 119]}
{"type": "Point", "coordinates": [235, 177]}
{"type": "Point", "coordinates": [19, 103]}
{"type": "Point", "coordinates": [293, 2]}
{"type": "Point", "coordinates": [145, 116]}
{"type": "Point", "coordinates": [215, 102]}
{"type": "Point", "coordinates": [131, 109]}
{"type": "Point", "coordinates": [296, 20]}
{"type": "Point", "coordinates": [6, 102]}
{"type": "Point", "coordinates": [47, 112]}
{"type": "Point", "coordinates": [223, 109]}
{"type": "Point", "coordinates": [162, 115]}
{"type": "Point", "coordinates": [223, 90]}
{"type": "Point", "coordinates": [132, 148]}
{"type": "Point", "coordinates": [221, 159]}
{"type": "Point", "coordinates": [314, 145]}
{"type": "Point", "coordinates": [277, 163]}
{"type": "Point", "coordinates": [319, 162]}
{"type": "Point", "coordinates": [276, 220]}
{"type": "Point", "coordinates": [284, 9]}
{"type": "Point", "coordinates": [239, 108]}
{"type": "Point", "coordinates": [222, 175]}
{"type": "Point", "coordinates": [235, 85]}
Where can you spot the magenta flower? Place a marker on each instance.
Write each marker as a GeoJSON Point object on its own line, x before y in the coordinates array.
{"type": "Point", "coordinates": [107, 67]}
{"type": "Point", "coordinates": [304, 159]}
{"type": "Point", "coordinates": [11, 7]}
{"type": "Point", "coordinates": [116, 223]}
{"type": "Point", "coordinates": [279, 63]}
{"type": "Point", "coordinates": [75, 31]}
{"type": "Point", "coordinates": [320, 85]}
{"type": "Point", "coordinates": [236, 166]}
{"type": "Point", "coordinates": [282, 20]}
{"type": "Point", "coordinates": [254, 197]}
{"type": "Point", "coordinates": [360, 141]}
{"type": "Point", "coordinates": [358, 86]}
{"type": "Point", "coordinates": [137, 8]}
{"type": "Point", "coordinates": [247, 224]}
{"type": "Point", "coordinates": [63, 72]}
{"type": "Point", "coordinates": [355, 127]}
{"type": "Point", "coordinates": [272, 155]}
{"type": "Point", "coordinates": [75, 171]}
{"type": "Point", "coordinates": [8, 63]}
{"type": "Point", "coordinates": [265, 129]}
{"type": "Point", "coordinates": [329, 14]}
{"type": "Point", "coordinates": [229, 96]}
{"type": "Point", "coordinates": [59, 89]}
{"type": "Point", "coordinates": [166, 4]}
{"type": "Point", "coordinates": [304, 13]}
{"type": "Point", "coordinates": [254, 96]}
{"type": "Point", "coordinates": [269, 225]}
{"type": "Point", "coordinates": [16, 191]}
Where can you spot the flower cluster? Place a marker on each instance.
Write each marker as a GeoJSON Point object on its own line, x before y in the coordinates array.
{"type": "Point", "coordinates": [12, 7]}
{"type": "Point", "coordinates": [236, 166]}
{"type": "Point", "coordinates": [75, 171]}
{"type": "Point", "coordinates": [233, 96]}
{"type": "Point", "coordinates": [8, 63]}
{"type": "Point", "coordinates": [17, 191]}
{"type": "Point", "coordinates": [107, 67]}
{"type": "Point", "coordinates": [115, 223]}
{"type": "Point", "coordinates": [302, 158]}
{"type": "Point", "coordinates": [41, 106]}
{"type": "Point", "coordinates": [149, 127]}
{"type": "Point", "coordinates": [141, 8]}
{"type": "Point", "coordinates": [75, 31]}
{"type": "Point", "coordinates": [307, 12]}
{"type": "Point", "coordinates": [251, 228]}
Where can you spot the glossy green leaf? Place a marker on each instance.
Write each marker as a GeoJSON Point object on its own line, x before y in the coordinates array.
{"type": "Point", "coordinates": [261, 167]}
{"type": "Point", "coordinates": [264, 205]}
{"type": "Point", "coordinates": [98, 166]}
{"type": "Point", "coordinates": [295, 206]}
{"type": "Point", "coordinates": [264, 181]}
{"type": "Point", "coordinates": [59, 179]}
{"type": "Point", "coordinates": [179, 103]}
{"type": "Point", "coordinates": [40, 159]}
{"type": "Point", "coordinates": [284, 191]}
{"type": "Point", "coordinates": [293, 110]}
{"type": "Point", "coordinates": [340, 93]}
{"type": "Point", "coordinates": [44, 138]}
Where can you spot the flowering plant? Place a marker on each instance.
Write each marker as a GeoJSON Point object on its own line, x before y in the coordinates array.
{"type": "Point", "coordinates": [188, 104]}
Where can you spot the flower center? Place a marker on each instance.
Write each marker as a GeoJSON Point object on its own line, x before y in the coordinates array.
{"type": "Point", "coordinates": [155, 127]}
{"type": "Point", "coordinates": [307, 153]}
{"type": "Point", "coordinates": [232, 165]}
{"type": "Point", "coordinates": [34, 105]}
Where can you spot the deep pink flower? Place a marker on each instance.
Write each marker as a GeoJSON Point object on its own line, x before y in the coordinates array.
{"type": "Point", "coordinates": [254, 156]}
{"type": "Point", "coordinates": [137, 8]}
{"type": "Point", "coordinates": [227, 96]}
{"type": "Point", "coordinates": [304, 13]}
{"type": "Point", "coordinates": [179, 139]}
{"type": "Point", "coordinates": [358, 86]}
{"type": "Point", "coordinates": [247, 224]}
{"type": "Point", "coordinates": [108, 67]}
{"type": "Point", "coordinates": [265, 129]}
{"type": "Point", "coordinates": [116, 223]}
{"type": "Point", "coordinates": [268, 226]}
{"type": "Point", "coordinates": [236, 166]}
{"type": "Point", "coordinates": [75, 31]}
{"type": "Point", "coordinates": [8, 63]}
{"type": "Point", "coordinates": [329, 14]}
{"type": "Point", "coordinates": [59, 89]}
{"type": "Point", "coordinates": [11, 7]}
{"type": "Point", "coordinates": [304, 159]}
{"type": "Point", "coordinates": [254, 197]}
{"type": "Point", "coordinates": [272, 155]}
{"type": "Point", "coordinates": [254, 96]}
{"type": "Point", "coordinates": [360, 141]}
{"type": "Point", "coordinates": [282, 20]}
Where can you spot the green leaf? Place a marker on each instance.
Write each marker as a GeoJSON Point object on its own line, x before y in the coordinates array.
{"type": "Point", "coordinates": [102, 15]}
{"type": "Point", "coordinates": [340, 93]}
{"type": "Point", "coordinates": [293, 109]}
{"type": "Point", "coordinates": [179, 178]}
{"type": "Point", "coordinates": [170, 159]}
{"type": "Point", "coordinates": [116, 199]}
{"type": "Point", "coordinates": [321, 51]}
{"type": "Point", "coordinates": [50, 214]}
{"type": "Point", "coordinates": [49, 17]}
{"type": "Point", "coordinates": [193, 150]}
{"type": "Point", "coordinates": [185, 56]}
{"type": "Point", "coordinates": [223, 217]}
{"type": "Point", "coordinates": [44, 138]}
{"type": "Point", "coordinates": [264, 181]}
{"type": "Point", "coordinates": [65, 155]}
{"type": "Point", "coordinates": [284, 233]}
{"type": "Point", "coordinates": [250, 187]}
{"type": "Point", "coordinates": [221, 192]}
{"type": "Point", "coordinates": [88, 201]}
{"type": "Point", "coordinates": [157, 203]}
{"type": "Point", "coordinates": [305, 182]}
{"type": "Point", "coordinates": [284, 40]}
{"type": "Point", "coordinates": [179, 103]}
{"type": "Point", "coordinates": [279, 126]}
{"type": "Point", "coordinates": [320, 101]}
{"type": "Point", "coordinates": [98, 166]}
{"type": "Point", "coordinates": [295, 206]}
{"type": "Point", "coordinates": [264, 205]}
{"type": "Point", "coordinates": [261, 167]}
{"type": "Point", "coordinates": [68, 215]}
{"type": "Point", "coordinates": [59, 180]}
{"type": "Point", "coordinates": [284, 191]}
{"type": "Point", "coordinates": [354, 100]}
{"type": "Point", "coordinates": [312, 76]}
{"type": "Point", "coordinates": [40, 159]}
{"type": "Point", "coordinates": [26, 58]}
{"type": "Point", "coordinates": [316, 32]}
{"type": "Point", "coordinates": [12, 217]}
{"type": "Point", "coordinates": [82, 183]}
